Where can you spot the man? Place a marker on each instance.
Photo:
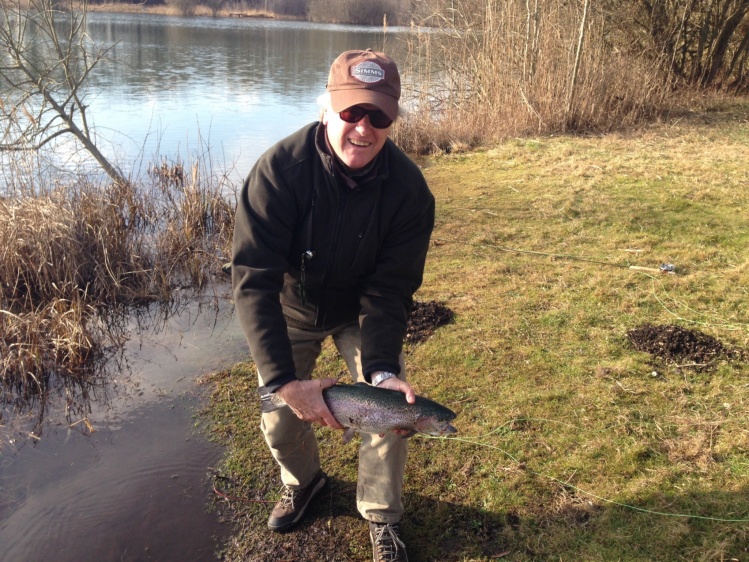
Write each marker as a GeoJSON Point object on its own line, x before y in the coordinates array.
{"type": "Point", "coordinates": [331, 235]}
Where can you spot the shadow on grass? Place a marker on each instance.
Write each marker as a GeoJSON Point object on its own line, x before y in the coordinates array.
{"type": "Point", "coordinates": [435, 530]}
{"type": "Point", "coordinates": [333, 530]}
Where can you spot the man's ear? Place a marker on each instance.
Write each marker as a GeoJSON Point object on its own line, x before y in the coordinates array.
{"type": "Point", "coordinates": [324, 117]}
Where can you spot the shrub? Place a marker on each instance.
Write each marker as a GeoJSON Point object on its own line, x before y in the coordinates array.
{"type": "Point", "coordinates": [500, 69]}
{"type": "Point", "coordinates": [184, 7]}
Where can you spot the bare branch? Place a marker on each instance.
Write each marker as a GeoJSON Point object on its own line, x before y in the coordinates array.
{"type": "Point", "coordinates": [47, 58]}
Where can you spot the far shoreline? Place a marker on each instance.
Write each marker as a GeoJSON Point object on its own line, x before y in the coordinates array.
{"type": "Point", "coordinates": [200, 11]}
{"type": "Point", "coordinates": [204, 11]}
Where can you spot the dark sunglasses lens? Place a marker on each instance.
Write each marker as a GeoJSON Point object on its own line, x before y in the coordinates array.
{"type": "Point", "coordinates": [352, 114]}
{"type": "Point", "coordinates": [379, 120]}
{"type": "Point", "coordinates": [376, 117]}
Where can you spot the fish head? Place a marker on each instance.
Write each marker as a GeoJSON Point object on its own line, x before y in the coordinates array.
{"type": "Point", "coordinates": [436, 425]}
{"type": "Point", "coordinates": [433, 418]}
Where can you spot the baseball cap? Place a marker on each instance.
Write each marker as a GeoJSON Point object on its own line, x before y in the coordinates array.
{"type": "Point", "coordinates": [364, 77]}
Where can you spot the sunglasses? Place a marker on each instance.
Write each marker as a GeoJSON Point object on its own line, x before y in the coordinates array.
{"type": "Point", "coordinates": [356, 113]}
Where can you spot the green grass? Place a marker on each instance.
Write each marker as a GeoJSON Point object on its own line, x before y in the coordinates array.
{"type": "Point", "coordinates": [572, 445]}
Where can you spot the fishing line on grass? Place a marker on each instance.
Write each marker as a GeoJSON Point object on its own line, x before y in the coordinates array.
{"type": "Point", "coordinates": [596, 261]}
{"type": "Point", "coordinates": [663, 268]}
{"type": "Point", "coordinates": [664, 306]}
{"type": "Point", "coordinates": [581, 490]}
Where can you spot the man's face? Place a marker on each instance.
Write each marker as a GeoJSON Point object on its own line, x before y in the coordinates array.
{"type": "Point", "coordinates": [356, 144]}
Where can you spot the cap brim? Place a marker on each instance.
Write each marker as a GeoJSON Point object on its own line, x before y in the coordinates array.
{"type": "Point", "coordinates": [343, 99]}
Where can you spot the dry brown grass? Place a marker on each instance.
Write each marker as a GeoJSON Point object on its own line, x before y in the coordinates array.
{"type": "Point", "coordinates": [501, 69]}
{"type": "Point", "coordinates": [70, 252]}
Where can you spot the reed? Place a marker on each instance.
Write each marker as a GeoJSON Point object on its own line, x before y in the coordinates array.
{"type": "Point", "coordinates": [73, 250]}
{"type": "Point", "coordinates": [496, 70]}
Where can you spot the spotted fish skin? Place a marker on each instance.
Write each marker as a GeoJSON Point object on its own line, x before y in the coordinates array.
{"type": "Point", "coordinates": [367, 409]}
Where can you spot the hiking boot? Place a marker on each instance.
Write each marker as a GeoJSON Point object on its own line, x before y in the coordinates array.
{"type": "Point", "coordinates": [292, 504]}
{"type": "Point", "coordinates": [387, 545]}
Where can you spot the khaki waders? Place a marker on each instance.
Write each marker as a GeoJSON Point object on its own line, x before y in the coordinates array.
{"type": "Point", "coordinates": [292, 442]}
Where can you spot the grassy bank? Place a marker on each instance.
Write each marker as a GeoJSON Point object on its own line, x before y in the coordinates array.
{"type": "Point", "coordinates": [573, 444]}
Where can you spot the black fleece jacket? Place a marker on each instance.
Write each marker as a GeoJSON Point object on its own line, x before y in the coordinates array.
{"type": "Point", "coordinates": [313, 253]}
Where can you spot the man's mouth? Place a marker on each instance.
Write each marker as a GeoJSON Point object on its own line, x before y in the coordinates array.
{"type": "Point", "coordinates": [359, 143]}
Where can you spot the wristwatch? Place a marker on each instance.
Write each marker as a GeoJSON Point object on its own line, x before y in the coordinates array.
{"type": "Point", "coordinates": [383, 376]}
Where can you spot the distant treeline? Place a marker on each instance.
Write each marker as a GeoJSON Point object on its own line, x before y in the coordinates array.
{"type": "Point", "coordinates": [363, 12]}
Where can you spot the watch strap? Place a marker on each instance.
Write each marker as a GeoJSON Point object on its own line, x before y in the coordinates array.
{"type": "Point", "coordinates": [385, 375]}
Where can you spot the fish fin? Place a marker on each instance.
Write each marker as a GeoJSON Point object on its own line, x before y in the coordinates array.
{"type": "Point", "coordinates": [409, 434]}
{"type": "Point", "coordinates": [269, 401]}
{"type": "Point", "coordinates": [361, 384]}
{"type": "Point", "coordinates": [348, 434]}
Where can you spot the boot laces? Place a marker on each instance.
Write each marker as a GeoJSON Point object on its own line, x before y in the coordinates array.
{"type": "Point", "coordinates": [388, 542]}
{"type": "Point", "coordinates": [288, 497]}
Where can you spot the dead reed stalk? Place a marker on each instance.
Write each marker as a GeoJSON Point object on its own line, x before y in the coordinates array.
{"type": "Point", "coordinates": [67, 253]}
{"type": "Point", "coordinates": [494, 70]}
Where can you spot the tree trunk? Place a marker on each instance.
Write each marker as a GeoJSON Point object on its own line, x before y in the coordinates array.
{"type": "Point", "coordinates": [716, 58]}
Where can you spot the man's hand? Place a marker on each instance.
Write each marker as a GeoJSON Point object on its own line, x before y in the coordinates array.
{"type": "Point", "coordinates": [306, 401]}
{"type": "Point", "coordinates": [394, 383]}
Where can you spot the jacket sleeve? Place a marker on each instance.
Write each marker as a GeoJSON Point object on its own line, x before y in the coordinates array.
{"type": "Point", "coordinates": [387, 296]}
{"type": "Point", "coordinates": [264, 222]}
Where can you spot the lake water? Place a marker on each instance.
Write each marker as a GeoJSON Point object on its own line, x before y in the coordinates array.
{"type": "Point", "coordinates": [118, 471]}
{"type": "Point", "coordinates": [235, 85]}
{"type": "Point", "coordinates": [136, 487]}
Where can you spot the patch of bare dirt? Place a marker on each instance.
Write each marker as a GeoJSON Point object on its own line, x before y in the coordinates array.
{"type": "Point", "coordinates": [681, 346]}
{"type": "Point", "coordinates": [425, 318]}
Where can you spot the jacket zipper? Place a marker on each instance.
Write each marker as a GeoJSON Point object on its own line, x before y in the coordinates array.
{"type": "Point", "coordinates": [333, 256]}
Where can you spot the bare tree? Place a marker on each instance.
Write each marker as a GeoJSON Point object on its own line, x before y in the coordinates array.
{"type": "Point", "coordinates": [703, 42]}
{"type": "Point", "coordinates": [46, 57]}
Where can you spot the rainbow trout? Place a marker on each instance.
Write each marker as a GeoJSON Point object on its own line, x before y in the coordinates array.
{"type": "Point", "coordinates": [368, 409]}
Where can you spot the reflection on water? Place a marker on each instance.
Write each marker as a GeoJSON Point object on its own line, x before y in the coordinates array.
{"type": "Point", "coordinates": [114, 470]}
{"type": "Point", "coordinates": [224, 88]}
{"type": "Point", "coordinates": [135, 494]}
{"type": "Point", "coordinates": [176, 87]}
{"type": "Point", "coordinates": [235, 84]}
{"type": "Point", "coordinates": [138, 339]}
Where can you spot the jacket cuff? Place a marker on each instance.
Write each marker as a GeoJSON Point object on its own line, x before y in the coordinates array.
{"type": "Point", "coordinates": [275, 384]}
{"type": "Point", "coordinates": [389, 367]}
